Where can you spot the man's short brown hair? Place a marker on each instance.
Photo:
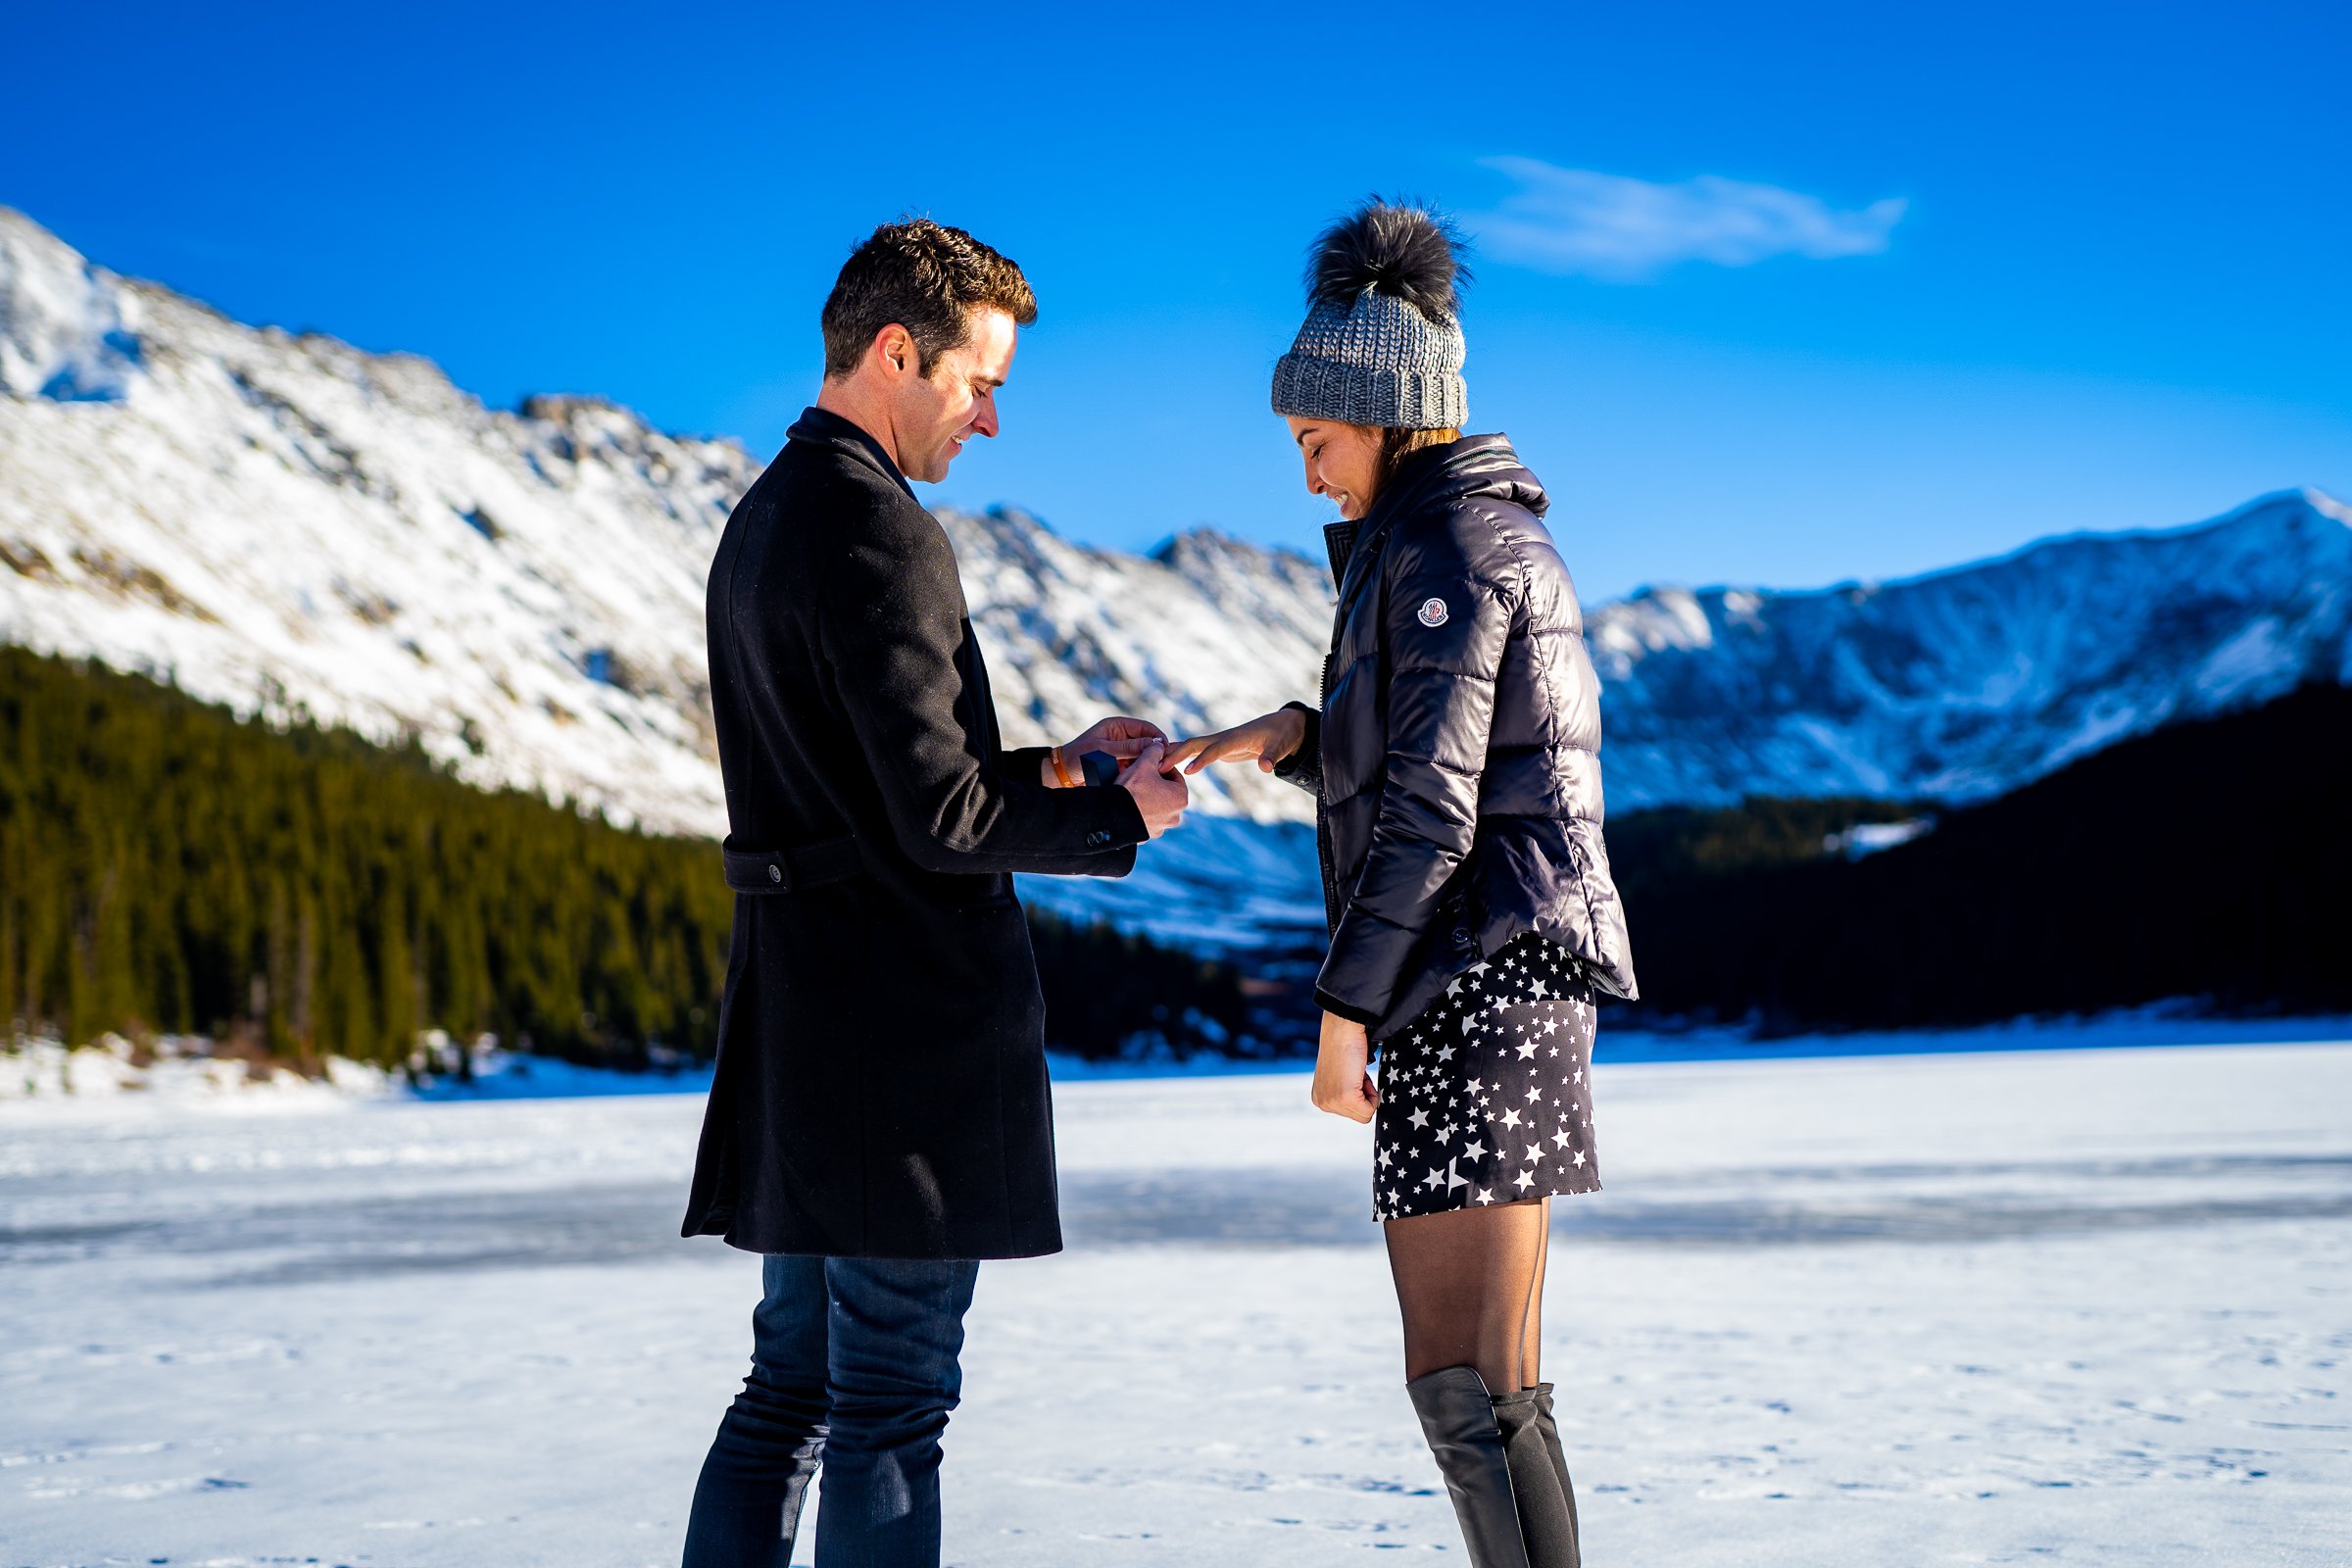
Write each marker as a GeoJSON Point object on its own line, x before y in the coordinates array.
{"type": "Point", "coordinates": [925, 277]}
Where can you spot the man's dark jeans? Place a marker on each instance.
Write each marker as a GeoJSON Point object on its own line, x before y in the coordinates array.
{"type": "Point", "coordinates": [853, 1363]}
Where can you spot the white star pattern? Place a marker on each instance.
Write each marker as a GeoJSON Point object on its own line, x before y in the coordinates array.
{"type": "Point", "coordinates": [1478, 1073]}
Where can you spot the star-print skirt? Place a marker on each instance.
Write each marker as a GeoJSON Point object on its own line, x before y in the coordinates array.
{"type": "Point", "coordinates": [1486, 1096]}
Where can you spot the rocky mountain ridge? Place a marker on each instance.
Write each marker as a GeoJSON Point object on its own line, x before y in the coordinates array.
{"type": "Point", "coordinates": [288, 524]}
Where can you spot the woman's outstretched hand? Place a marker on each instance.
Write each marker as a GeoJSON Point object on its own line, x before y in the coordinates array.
{"type": "Point", "coordinates": [1343, 1085]}
{"type": "Point", "coordinates": [1268, 739]}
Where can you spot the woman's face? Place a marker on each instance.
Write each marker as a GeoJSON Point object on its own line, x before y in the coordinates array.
{"type": "Point", "coordinates": [1343, 461]}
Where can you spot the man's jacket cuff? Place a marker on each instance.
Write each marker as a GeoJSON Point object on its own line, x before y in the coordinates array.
{"type": "Point", "coordinates": [1104, 823]}
{"type": "Point", "coordinates": [1025, 762]}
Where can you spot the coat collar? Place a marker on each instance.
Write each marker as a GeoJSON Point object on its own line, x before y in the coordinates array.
{"type": "Point", "coordinates": [1356, 546]}
{"type": "Point", "coordinates": [825, 428]}
{"type": "Point", "coordinates": [1475, 465]}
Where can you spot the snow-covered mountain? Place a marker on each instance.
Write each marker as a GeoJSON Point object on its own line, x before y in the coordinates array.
{"type": "Point", "coordinates": [1967, 683]}
{"type": "Point", "coordinates": [284, 523]}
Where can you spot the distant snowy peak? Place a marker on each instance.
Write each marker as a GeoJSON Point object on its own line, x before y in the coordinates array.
{"type": "Point", "coordinates": [1204, 632]}
{"type": "Point", "coordinates": [68, 329]}
{"type": "Point", "coordinates": [1968, 682]}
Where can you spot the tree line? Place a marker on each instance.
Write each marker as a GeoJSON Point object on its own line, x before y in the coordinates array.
{"type": "Point", "coordinates": [2208, 860]}
{"type": "Point", "coordinates": [167, 867]}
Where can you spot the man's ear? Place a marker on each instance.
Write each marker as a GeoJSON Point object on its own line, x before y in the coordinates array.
{"type": "Point", "coordinates": [894, 348]}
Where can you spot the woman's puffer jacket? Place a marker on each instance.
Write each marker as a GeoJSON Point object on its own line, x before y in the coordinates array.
{"type": "Point", "coordinates": [1456, 760]}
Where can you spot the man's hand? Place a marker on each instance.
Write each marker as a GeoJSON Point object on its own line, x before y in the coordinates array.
{"type": "Point", "coordinates": [1123, 737]}
{"type": "Point", "coordinates": [1161, 796]}
{"type": "Point", "coordinates": [1269, 739]}
{"type": "Point", "coordinates": [1343, 1085]}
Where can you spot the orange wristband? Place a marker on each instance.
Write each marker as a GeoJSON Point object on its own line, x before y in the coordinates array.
{"type": "Point", "coordinates": [1061, 772]}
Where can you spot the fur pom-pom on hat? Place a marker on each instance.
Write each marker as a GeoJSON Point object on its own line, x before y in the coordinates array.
{"type": "Point", "coordinates": [1400, 249]}
{"type": "Point", "coordinates": [1382, 344]}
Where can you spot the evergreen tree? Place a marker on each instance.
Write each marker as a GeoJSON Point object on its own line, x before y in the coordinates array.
{"type": "Point", "coordinates": [167, 867]}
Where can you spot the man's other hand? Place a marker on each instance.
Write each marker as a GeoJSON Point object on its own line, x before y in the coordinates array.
{"type": "Point", "coordinates": [1161, 796]}
{"type": "Point", "coordinates": [1123, 737]}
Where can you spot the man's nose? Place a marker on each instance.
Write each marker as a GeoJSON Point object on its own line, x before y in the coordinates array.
{"type": "Point", "coordinates": [984, 417]}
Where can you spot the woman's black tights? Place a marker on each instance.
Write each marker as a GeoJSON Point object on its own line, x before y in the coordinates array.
{"type": "Point", "coordinates": [1471, 1286]}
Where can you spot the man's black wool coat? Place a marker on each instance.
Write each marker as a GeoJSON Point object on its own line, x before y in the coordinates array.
{"type": "Point", "coordinates": [881, 1088]}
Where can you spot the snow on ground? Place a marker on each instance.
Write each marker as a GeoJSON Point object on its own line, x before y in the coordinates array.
{"type": "Point", "coordinates": [2062, 1306]}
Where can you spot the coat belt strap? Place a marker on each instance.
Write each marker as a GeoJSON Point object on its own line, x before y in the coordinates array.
{"type": "Point", "coordinates": [809, 866]}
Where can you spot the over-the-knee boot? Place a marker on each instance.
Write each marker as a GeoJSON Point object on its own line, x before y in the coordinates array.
{"type": "Point", "coordinates": [1539, 1477]}
{"type": "Point", "coordinates": [1458, 1417]}
{"type": "Point", "coordinates": [1552, 1443]}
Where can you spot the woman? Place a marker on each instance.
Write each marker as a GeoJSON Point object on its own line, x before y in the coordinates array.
{"type": "Point", "coordinates": [1457, 784]}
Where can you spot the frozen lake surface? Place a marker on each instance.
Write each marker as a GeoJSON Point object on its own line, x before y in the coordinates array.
{"type": "Point", "coordinates": [2061, 1307]}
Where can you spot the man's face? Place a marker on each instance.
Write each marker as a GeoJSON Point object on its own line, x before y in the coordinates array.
{"type": "Point", "coordinates": [933, 416]}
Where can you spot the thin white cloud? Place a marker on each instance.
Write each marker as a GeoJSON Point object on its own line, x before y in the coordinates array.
{"type": "Point", "coordinates": [1622, 230]}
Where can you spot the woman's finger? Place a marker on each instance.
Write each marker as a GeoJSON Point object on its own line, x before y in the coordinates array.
{"type": "Point", "coordinates": [1180, 752]}
{"type": "Point", "coordinates": [1196, 754]}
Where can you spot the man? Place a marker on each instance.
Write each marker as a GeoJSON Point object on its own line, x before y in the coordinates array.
{"type": "Point", "coordinates": [881, 1119]}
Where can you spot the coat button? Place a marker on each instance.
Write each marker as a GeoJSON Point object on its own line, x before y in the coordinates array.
{"type": "Point", "coordinates": [775, 872]}
{"type": "Point", "coordinates": [1461, 936]}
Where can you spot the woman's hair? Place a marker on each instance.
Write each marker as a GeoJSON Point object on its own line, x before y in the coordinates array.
{"type": "Point", "coordinates": [1397, 445]}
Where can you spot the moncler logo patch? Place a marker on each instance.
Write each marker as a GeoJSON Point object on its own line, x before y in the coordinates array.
{"type": "Point", "coordinates": [1433, 611]}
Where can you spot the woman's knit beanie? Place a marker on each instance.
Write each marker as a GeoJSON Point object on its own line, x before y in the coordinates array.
{"type": "Point", "coordinates": [1383, 340]}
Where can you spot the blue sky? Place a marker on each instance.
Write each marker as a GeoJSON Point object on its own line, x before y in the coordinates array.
{"type": "Point", "coordinates": [1770, 294]}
